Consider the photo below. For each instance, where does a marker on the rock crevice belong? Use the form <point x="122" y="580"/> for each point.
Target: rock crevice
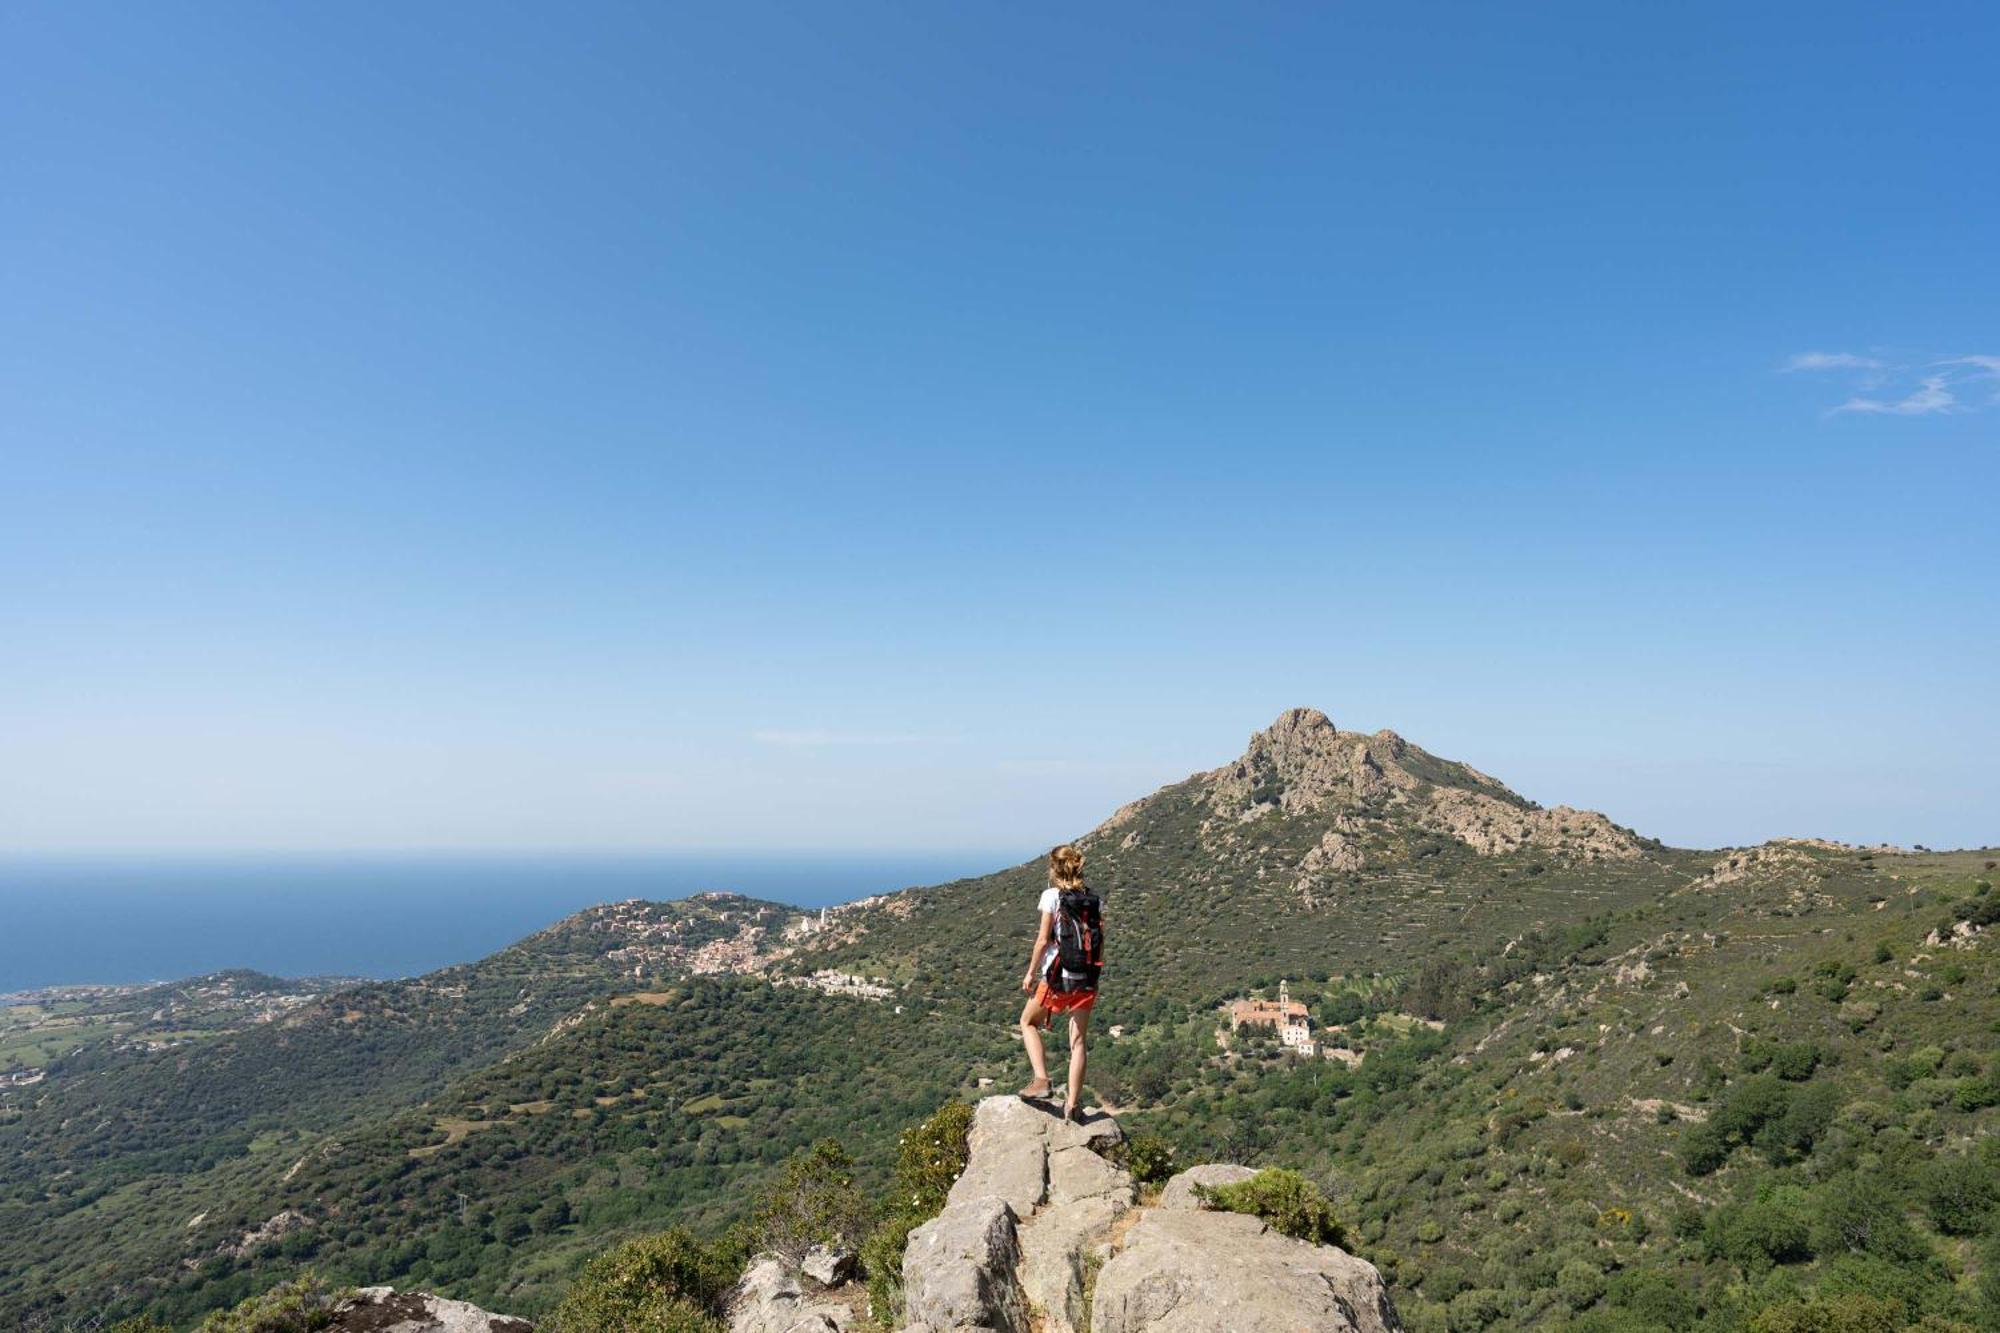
<point x="1036" y="1210"/>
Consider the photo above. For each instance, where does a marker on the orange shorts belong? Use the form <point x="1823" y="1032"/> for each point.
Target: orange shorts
<point x="1064" y="1002"/>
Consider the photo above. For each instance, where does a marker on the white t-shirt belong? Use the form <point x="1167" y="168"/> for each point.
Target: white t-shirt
<point x="1051" y="899"/>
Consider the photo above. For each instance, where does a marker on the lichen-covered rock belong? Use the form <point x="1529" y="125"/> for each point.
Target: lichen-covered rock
<point x="1180" y="1194"/>
<point x="1054" y="1246"/>
<point x="828" y="1266"/>
<point x="769" y="1300"/>
<point x="1006" y="1155"/>
<point x="959" y="1270"/>
<point x="1183" y="1271"/>
<point x="386" y="1310"/>
<point x="1079" y="1173"/>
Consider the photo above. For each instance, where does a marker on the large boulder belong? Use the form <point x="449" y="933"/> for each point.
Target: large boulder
<point x="959" y="1270"/>
<point x="1079" y="1173"/>
<point x="1186" y="1271"/>
<point x="386" y="1310"/>
<point x="1180" y="1191"/>
<point x="769" y="1300"/>
<point x="829" y="1265"/>
<point x="1054" y="1250"/>
<point x="1006" y="1155"/>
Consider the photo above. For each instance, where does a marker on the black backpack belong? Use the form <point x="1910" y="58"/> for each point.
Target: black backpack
<point x="1079" y="931"/>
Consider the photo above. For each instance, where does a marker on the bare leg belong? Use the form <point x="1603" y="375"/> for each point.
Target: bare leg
<point x="1079" y="1031"/>
<point x="1031" y="1037"/>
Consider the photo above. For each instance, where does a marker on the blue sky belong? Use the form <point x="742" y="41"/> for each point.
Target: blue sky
<point x="868" y="426"/>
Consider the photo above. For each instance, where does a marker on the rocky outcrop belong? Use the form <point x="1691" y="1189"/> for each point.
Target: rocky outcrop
<point x="1180" y="1191"/>
<point x="1040" y="1201"/>
<point x="828" y="1266"/>
<point x="1491" y="826"/>
<point x="958" y="1270"/>
<point x="769" y="1299"/>
<point x="1036" y="1192"/>
<point x="1303" y="765"/>
<point x="1185" y="1271"/>
<point x="386" y="1310"/>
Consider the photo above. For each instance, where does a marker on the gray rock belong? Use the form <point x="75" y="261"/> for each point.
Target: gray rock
<point x="1007" y="1155"/>
<point x="829" y="1266"/>
<point x="1079" y="1173"/>
<point x="768" y="1300"/>
<point x="386" y="1310"/>
<point x="1053" y="1246"/>
<point x="1095" y="1128"/>
<point x="958" y="1270"/>
<point x="1187" y="1271"/>
<point x="1179" y="1192"/>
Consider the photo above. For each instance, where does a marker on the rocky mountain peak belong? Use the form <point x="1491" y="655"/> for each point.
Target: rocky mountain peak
<point x="1302" y="761"/>
<point x="1303" y="765"/>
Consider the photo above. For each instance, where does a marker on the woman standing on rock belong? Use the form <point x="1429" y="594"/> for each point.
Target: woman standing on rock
<point x="1062" y="973"/>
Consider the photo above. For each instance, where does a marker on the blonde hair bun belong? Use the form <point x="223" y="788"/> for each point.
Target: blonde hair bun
<point x="1065" y="868"/>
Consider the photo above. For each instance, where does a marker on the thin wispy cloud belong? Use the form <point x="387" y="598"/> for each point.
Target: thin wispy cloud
<point x="1830" y="361"/>
<point x="813" y="738"/>
<point x="1932" y="395"/>
<point x="1919" y="386"/>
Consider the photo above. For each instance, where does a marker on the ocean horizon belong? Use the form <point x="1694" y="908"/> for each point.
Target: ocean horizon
<point x="104" y="919"/>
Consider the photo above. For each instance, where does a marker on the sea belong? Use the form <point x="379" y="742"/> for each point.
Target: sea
<point x="104" y="919"/>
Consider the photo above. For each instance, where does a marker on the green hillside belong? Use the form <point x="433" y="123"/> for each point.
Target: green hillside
<point x="1601" y="1083"/>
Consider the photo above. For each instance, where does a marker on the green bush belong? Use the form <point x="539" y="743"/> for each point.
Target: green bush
<point x="1149" y="1157"/>
<point x="1653" y="1299"/>
<point x="1766" y="1231"/>
<point x="1958" y="1194"/>
<point x="143" y="1323"/>
<point x="1703" y="1148"/>
<point x="1287" y="1200"/>
<point x="1795" y="1061"/>
<point x="1853" y="1313"/>
<point x="664" y="1283"/>
<point x="815" y="1202"/>
<point x="1860" y="1215"/>
<point x="302" y="1306"/>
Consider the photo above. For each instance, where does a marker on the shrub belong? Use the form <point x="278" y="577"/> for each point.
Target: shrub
<point x="1473" y="1310"/>
<point x="1805" y="1120"/>
<point x="1853" y="1313"/>
<point x="1958" y="1194"/>
<point x="1580" y="1283"/>
<point x="665" y="1283"/>
<point x="1292" y="1204"/>
<point x="1976" y="1094"/>
<point x="1859" y="1215"/>
<point x="1653" y="1300"/>
<point x="302" y="1306"/>
<point x="1796" y="1060"/>
<point x="1759" y="1234"/>
<point x="1149" y="1158"/>
<point x="814" y="1203"/>
<point x="1703" y="1148"/>
<point x="143" y="1323"/>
